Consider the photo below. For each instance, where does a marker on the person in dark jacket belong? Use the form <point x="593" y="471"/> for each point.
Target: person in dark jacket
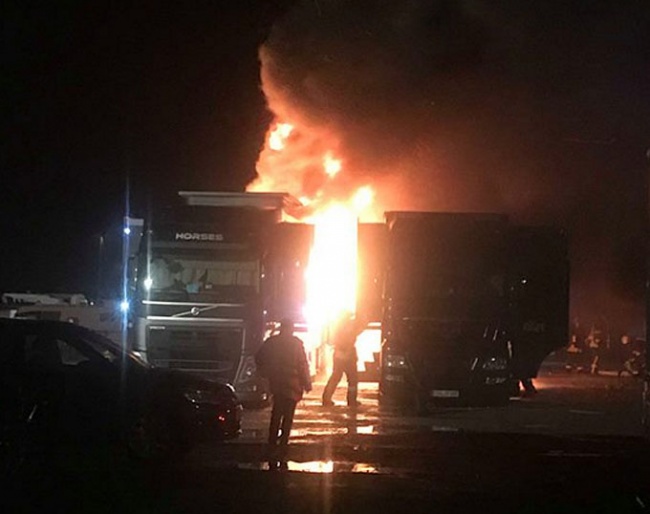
<point x="596" y="346"/>
<point x="345" y="361"/>
<point x="282" y="360"/>
<point x="575" y="350"/>
<point x="630" y="355"/>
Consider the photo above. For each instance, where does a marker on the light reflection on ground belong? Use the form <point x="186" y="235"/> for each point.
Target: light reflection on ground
<point x="332" y="429"/>
<point x="362" y="467"/>
<point x="304" y="432"/>
<point x="314" y="466"/>
<point x="566" y="404"/>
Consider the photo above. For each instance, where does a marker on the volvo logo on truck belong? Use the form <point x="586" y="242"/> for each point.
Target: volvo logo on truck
<point x="198" y="236"/>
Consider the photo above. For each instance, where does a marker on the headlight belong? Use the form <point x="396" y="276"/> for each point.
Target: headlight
<point x="495" y="364"/>
<point x="395" y="361"/>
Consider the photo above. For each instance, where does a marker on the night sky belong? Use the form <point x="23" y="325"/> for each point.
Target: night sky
<point x="539" y="109"/>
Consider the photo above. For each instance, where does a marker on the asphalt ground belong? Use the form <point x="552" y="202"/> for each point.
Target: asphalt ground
<point x="566" y="404"/>
<point x="573" y="447"/>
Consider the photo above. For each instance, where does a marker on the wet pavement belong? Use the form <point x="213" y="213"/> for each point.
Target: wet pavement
<point x="566" y="403"/>
<point x="572" y="447"/>
<point x="372" y="440"/>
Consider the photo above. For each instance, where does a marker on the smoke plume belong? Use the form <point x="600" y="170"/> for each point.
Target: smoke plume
<point x="466" y="105"/>
<point x="369" y="82"/>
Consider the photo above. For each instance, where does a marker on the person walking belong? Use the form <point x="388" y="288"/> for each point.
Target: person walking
<point x="345" y="362"/>
<point x="630" y="355"/>
<point x="282" y="360"/>
<point x="574" y="352"/>
<point x="595" y="345"/>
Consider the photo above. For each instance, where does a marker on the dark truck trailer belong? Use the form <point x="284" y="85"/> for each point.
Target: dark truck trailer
<point x="466" y="306"/>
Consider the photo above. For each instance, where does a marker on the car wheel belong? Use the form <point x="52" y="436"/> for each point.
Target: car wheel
<point x="419" y="405"/>
<point x="150" y="438"/>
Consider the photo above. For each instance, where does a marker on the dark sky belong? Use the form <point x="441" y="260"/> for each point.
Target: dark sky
<point x="541" y="109"/>
<point x="94" y="92"/>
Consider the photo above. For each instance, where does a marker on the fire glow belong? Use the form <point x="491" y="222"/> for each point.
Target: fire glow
<point x="309" y="169"/>
<point x="332" y="271"/>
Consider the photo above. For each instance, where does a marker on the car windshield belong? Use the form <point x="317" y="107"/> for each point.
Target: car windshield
<point x="457" y="277"/>
<point x="110" y="351"/>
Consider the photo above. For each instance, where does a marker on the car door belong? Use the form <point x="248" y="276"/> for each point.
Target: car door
<point x="42" y="385"/>
<point x="91" y="385"/>
<point x="12" y="381"/>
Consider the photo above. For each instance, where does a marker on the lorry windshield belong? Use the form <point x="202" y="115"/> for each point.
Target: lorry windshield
<point x="452" y="280"/>
<point x="210" y="273"/>
<point x="450" y="295"/>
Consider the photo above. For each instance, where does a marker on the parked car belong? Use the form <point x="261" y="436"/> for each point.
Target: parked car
<point x="64" y="384"/>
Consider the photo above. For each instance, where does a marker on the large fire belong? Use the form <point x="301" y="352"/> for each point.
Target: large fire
<point x="332" y="270"/>
<point x="301" y="164"/>
<point x="313" y="173"/>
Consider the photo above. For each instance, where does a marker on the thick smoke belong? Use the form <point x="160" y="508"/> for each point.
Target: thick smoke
<point x="470" y="105"/>
<point x="371" y="79"/>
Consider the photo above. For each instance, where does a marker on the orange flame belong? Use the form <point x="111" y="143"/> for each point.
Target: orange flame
<point x="332" y="270"/>
<point x="363" y="198"/>
<point x="296" y="161"/>
<point x="331" y="165"/>
<point x="279" y="135"/>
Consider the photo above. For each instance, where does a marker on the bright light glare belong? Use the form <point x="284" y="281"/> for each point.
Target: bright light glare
<point x="127" y="231"/>
<point x="279" y="135"/>
<point x="316" y="466"/>
<point x="368" y="346"/>
<point x="124" y="306"/>
<point x="332" y="270"/>
<point x="148" y="283"/>
<point x="331" y="165"/>
<point x="363" y="198"/>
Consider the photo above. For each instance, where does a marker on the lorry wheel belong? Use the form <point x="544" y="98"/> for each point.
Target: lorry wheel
<point x="389" y="404"/>
<point x="513" y="388"/>
<point x="403" y="404"/>
<point x="419" y="405"/>
<point x="495" y="396"/>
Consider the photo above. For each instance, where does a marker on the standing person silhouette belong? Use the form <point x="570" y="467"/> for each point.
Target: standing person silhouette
<point x="282" y="360"/>
<point x="345" y="361"/>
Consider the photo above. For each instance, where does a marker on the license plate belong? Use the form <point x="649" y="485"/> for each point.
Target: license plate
<point x="445" y="393"/>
